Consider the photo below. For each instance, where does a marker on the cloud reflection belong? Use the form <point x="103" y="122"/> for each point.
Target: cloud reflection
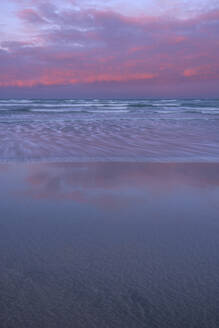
<point x="115" y="185"/>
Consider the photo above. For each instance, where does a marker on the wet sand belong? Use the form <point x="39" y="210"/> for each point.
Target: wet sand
<point x="109" y="245"/>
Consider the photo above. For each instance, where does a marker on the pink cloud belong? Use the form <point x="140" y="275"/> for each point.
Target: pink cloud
<point x="31" y="16"/>
<point x="189" y="72"/>
<point x="90" y="46"/>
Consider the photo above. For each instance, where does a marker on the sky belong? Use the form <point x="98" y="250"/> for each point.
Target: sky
<point x="114" y="48"/>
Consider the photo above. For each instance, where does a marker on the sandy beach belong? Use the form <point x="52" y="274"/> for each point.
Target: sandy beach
<point x="109" y="245"/>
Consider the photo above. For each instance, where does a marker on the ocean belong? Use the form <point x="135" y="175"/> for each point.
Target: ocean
<point x="109" y="213"/>
<point x="161" y="130"/>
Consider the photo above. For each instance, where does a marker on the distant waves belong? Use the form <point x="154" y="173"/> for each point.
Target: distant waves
<point x="159" y="130"/>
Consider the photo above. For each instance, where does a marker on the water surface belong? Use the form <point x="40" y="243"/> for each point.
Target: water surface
<point x="109" y="245"/>
<point x="149" y="130"/>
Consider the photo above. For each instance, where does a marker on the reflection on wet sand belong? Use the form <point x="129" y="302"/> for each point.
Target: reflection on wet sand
<point x="109" y="245"/>
<point x="116" y="184"/>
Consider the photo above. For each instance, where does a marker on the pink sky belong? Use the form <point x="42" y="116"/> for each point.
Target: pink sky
<point x="74" y="49"/>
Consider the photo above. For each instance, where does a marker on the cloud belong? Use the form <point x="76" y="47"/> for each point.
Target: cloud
<point x="31" y="16"/>
<point x="71" y="46"/>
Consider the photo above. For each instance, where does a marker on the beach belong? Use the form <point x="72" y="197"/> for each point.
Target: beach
<point x="109" y="213"/>
<point x="103" y="244"/>
<point x="109" y="164"/>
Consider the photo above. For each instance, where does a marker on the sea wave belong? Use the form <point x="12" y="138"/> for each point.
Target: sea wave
<point x="109" y="130"/>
